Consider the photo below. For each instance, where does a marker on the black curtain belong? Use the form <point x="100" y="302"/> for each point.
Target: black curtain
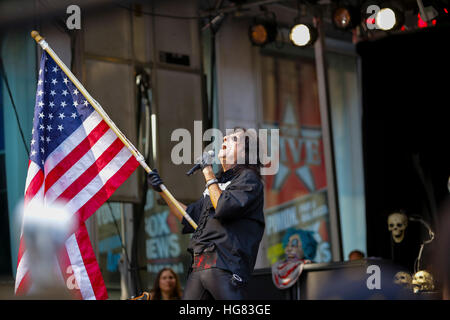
<point x="406" y="131"/>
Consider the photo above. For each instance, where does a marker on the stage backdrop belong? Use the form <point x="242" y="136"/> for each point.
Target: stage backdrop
<point x="405" y="130"/>
<point x="163" y="243"/>
<point x="296" y="197"/>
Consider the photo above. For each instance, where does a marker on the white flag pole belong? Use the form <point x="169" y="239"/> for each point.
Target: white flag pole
<point x="41" y="41"/>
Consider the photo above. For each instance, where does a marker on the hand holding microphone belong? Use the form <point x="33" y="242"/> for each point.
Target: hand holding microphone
<point x="205" y="160"/>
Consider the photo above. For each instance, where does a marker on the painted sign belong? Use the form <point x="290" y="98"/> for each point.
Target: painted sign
<point x="295" y="197"/>
<point x="165" y="245"/>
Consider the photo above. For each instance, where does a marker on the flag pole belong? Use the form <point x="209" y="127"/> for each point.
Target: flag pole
<point x="41" y="41"/>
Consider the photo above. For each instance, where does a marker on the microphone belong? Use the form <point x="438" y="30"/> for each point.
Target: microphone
<point x="210" y="153"/>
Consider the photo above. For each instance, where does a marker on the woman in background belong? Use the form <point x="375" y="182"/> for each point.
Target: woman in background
<point x="166" y="286"/>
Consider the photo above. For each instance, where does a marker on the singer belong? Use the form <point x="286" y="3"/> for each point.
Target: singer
<point x="230" y="222"/>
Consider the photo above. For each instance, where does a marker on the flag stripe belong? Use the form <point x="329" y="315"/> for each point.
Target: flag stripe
<point x="72" y="141"/>
<point x="21" y="249"/>
<point x="38" y="198"/>
<point x="71" y="277"/>
<point x="97" y="183"/>
<point x="77" y="169"/>
<point x="90" y="263"/>
<point x="24" y="285"/>
<point x="108" y="188"/>
<point x="34" y="187"/>
<point x="75" y="154"/>
<point x="92" y="171"/>
<point x="79" y="269"/>
<point x="22" y="269"/>
<point x="33" y="169"/>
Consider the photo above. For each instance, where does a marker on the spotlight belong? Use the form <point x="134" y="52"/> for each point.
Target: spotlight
<point x="303" y="35"/>
<point x="389" y="19"/>
<point x="346" y="17"/>
<point x="262" y="32"/>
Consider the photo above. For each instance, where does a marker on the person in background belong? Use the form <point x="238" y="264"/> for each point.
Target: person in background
<point x="355" y="255"/>
<point x="166" y="286"/>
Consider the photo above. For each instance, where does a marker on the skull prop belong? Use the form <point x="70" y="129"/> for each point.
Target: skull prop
<point x="403" y="279"/>
<point x="423" y="281"/>
<point x="397" y="223"/>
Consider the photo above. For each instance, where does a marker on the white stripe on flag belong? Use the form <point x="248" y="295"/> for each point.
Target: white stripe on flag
<point x="79" y="269"/>
<point x="33" y="168"/>
<point x="99" y="181"/>
<point x="37" y="199"/>
<point x="80" y="167"/>
<point x="72" y="141"/>
<point x="22" y="269"/>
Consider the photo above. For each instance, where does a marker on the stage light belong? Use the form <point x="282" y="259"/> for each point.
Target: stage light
<point x="262" y="32"/>
<point x="385" y="19"/>
<point x="303" y="35"/>
<point x="389" y="19"/>
<point x="346" y="17"/>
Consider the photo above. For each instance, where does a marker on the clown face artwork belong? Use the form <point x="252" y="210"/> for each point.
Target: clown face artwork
<point x="296" y="242"/>
<point x="294" y="248"/>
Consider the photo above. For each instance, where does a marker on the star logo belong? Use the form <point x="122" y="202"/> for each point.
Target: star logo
<point x="300" y="155"/>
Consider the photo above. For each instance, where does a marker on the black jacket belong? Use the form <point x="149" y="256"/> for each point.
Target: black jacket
<point x="235" y="228"/>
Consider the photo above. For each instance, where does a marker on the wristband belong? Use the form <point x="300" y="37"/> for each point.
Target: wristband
<point x="210" y="182"/>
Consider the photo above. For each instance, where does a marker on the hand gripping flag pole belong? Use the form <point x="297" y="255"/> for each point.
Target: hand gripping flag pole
<point x="41" y="41"/>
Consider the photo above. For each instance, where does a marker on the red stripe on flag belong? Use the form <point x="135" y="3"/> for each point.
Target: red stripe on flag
<point x="35" y="185"/>
<point x="69" y="277"/>
<point x="22" y="249"/>
<point x="90" y="263"/>
<point x="75" y="155"/>
<point x="24" y="285"/>
<point x="92" y="171"/>
<point x="108" y="189"/>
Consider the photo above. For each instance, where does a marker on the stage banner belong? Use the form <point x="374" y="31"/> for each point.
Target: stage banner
<point x="165" y="245"/>
<point x="295" y="197"/>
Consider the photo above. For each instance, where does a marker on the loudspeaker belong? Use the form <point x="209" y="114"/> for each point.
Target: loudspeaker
<point x="170" y="49"/>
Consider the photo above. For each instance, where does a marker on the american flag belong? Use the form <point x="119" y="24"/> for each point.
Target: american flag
<point x="74" y="157"/>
